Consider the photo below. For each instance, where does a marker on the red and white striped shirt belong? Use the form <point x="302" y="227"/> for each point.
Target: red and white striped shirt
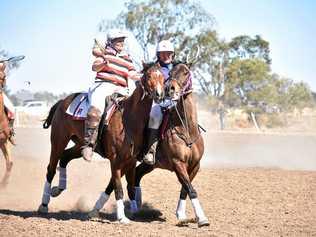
<point x="117" y="69"/>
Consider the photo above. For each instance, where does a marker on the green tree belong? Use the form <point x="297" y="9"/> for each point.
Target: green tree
<point x="248" y="81"/>
<point x="154" y="20"/>
<point x="244" y="46"/>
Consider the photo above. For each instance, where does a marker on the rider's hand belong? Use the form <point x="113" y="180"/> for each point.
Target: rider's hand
<point x="135" y="76"/>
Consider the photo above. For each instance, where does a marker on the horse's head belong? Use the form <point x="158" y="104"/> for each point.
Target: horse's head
<point x="153" y="81"/>
<point x="180" y="81"/>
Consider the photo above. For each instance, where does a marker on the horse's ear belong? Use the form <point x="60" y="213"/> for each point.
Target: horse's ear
<point x="190" y="65"/>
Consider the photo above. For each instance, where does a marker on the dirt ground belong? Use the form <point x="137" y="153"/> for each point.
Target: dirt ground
<point x="249" y="185"/>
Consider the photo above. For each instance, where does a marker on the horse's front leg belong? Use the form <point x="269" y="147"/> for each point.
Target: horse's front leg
<point x="141" y="170"/>
<point x="181" y="207"/>
<point x="120" y="214"/>
<point x="184" y="179"/>
<point x="6" y="150"/>
<point x="130" y="179"/>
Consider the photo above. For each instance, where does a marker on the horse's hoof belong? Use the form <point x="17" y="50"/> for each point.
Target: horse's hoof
<point x="181" y="216"/>
<point x="42" y="209"/>
<point x="183" y="222"/>
<point x="94" y="214"/>
<point x="124" y="221"/>
<point x="56" y="191"/>
<point x="203" y="223"/>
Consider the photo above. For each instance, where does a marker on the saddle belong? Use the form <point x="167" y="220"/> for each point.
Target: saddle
<point x="78" y="108"/>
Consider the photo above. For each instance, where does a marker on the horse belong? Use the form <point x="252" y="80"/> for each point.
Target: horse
<point x="5" y="143"/>
<point x="120" y="142"/>
<point x="182" y="147"/>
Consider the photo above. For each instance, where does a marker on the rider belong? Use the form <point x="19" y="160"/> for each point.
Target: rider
<point x="165" y="56"/>
<point x="8" y="106"/>
<point x="113" y="67"/>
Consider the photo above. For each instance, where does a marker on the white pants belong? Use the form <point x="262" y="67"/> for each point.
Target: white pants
<point x="99" y="90"/>
<point x="156" y="116"/>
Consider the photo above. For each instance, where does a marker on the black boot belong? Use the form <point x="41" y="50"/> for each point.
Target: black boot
<point x="91" y="132"/>
<point x="151" y="146"/>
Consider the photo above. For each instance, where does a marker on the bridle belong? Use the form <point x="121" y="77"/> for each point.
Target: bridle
<point x="186" y="88"/>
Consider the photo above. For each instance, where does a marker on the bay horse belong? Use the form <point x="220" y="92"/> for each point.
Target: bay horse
<point x="5" y="144"/>
<point x="120" y="142"/>
<point x="182" y="146"/>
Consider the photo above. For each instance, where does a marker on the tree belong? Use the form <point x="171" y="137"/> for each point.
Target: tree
<point x="154" y="20"/>
<point x="244" y="46"/>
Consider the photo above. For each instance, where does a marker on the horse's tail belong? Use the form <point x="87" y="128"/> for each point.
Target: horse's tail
<point x="48" y="120"/>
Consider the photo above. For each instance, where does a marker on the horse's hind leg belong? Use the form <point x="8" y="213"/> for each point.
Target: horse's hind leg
<point x="57" y="148"/>
<point x="6" y="150"/>
<point x="181" y="207"/>
<point x="104" y="197"/>
<point x="66" y="157"/>
<point x="184" y="179"/>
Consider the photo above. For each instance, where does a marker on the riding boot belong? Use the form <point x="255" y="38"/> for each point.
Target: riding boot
<point x="151" y="146"/>
<point x="91" y="132"/>
<point x="12" y="132"/>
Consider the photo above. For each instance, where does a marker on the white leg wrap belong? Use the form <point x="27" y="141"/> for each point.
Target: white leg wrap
<point x="180" y="212"/>
<point x="46" y="193"/>
<point x="133" y="206"/>
<point x="101" y="201"/>
<point x="62" y="178"/>
<point x="120" y="209"/>
<point x="138" y="196"/>
<point x="198" y="210"/>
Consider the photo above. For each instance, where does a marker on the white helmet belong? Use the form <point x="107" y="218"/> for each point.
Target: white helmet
<point x="115" y="34"/>
<point x="165" y="46"/>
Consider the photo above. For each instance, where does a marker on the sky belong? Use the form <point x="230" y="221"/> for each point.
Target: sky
<point x="56" y="36"/>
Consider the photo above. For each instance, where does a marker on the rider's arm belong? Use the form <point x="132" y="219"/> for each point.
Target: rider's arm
<point x="97" y="52"/>
<point x="98" y="64"/>
<point x="135" y="76"/>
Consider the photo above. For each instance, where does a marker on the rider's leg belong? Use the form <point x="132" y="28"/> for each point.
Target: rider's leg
<point x="91" y="132"/>
<point x="152" y="134"/>
<point x="97" y="93"/>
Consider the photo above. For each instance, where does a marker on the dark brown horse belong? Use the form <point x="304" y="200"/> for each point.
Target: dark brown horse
<point x="182" y="147"/>
<point x="120" y="142"/>
<point x="5" y="144"/>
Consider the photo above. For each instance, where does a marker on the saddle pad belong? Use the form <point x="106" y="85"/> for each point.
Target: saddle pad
<point x="79" y="107"/>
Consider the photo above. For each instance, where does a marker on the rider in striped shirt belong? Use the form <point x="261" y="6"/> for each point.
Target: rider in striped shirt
<point x="113" y="67"/>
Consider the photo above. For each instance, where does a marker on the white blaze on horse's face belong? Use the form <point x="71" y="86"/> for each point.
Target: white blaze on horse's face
<point x="157" y="85"/>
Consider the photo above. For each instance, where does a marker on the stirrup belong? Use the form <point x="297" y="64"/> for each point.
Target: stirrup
<point x="149" y="158"/>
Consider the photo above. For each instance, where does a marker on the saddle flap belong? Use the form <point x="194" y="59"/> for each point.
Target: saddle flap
<point x="79" y="107"/>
